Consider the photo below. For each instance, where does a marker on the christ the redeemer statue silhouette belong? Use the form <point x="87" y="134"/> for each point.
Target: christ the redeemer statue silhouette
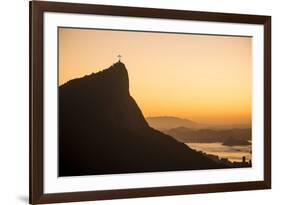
<point x="119" y="57"/>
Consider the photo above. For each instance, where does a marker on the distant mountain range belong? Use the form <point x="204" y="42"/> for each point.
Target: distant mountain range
<point x="103" y="131"/>
<point x="164" y="123"/>
<point x="235" y="136"/>
<point x="169" y="122"/>
<point x="231" y="141"/>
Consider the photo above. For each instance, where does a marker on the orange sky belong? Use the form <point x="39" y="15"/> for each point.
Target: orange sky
<point x="200" y="77"/>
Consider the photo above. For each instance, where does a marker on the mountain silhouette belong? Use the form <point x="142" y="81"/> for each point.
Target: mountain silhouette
<point x="188" y="135"/>
<point x="103" y="131"/>
<point x="231" y="141"/>
<point x="166" y="123"/>
<point x="169" y="122"/>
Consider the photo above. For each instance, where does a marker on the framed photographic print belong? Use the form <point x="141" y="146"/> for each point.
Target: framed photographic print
<point x="138" y="102"/>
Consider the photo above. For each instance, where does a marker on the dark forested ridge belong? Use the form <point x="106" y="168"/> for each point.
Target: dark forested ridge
<point x="103" y="131"/>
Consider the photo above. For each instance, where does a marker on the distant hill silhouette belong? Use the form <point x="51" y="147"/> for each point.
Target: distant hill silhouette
<point x="231" y="141"/>
<point x="103" y="131"/>
<point x="165" y="123"/>
<point x="169" y="122"/>
<point x="185" y="135"/>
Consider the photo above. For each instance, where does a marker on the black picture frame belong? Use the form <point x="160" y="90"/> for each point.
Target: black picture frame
<point x="37" y="8"/>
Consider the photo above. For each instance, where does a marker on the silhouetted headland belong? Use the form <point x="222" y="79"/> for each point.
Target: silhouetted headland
<point x="103" y="131"/>
<point x="231" y="141"/>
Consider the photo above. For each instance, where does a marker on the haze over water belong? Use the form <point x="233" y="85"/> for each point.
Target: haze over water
<point x="232" y="153"/>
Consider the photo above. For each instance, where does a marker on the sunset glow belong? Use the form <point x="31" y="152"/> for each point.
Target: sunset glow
<point x="204" y="78"/>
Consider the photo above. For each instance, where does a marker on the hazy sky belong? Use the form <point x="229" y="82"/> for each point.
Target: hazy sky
<point x="200" y="77"/>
